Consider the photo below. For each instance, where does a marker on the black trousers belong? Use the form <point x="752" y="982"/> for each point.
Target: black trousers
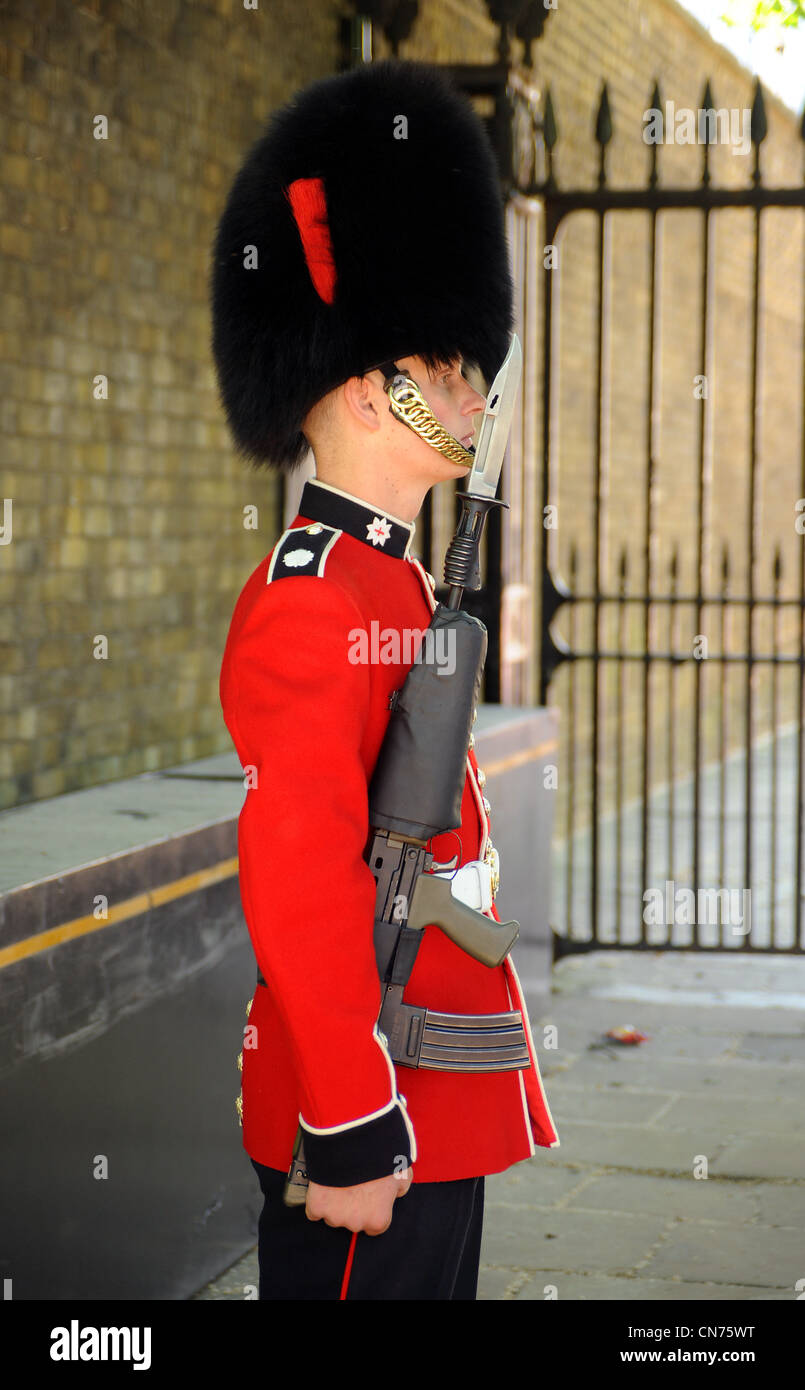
<point x="431" y="1250"/>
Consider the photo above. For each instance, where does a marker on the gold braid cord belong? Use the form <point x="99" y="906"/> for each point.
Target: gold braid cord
<point x="407" y="403"/>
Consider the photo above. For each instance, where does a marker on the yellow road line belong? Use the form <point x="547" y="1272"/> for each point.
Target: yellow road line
<point x="130" y="907"/>
<point x="191" y="883"/>
<point x="517" y="759"/>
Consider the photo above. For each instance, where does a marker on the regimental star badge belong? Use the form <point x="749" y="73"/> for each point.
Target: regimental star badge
<point x="378" y="530"/>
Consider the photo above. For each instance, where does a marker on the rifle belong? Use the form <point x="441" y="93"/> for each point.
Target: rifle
<point x="416" y="792"/>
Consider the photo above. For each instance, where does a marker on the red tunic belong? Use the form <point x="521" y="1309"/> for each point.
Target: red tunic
<point x="307" y="719"/>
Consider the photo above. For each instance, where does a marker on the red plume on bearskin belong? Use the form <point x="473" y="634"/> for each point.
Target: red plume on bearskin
<point x="309" y="204"/>
<point x="365" y="223"/>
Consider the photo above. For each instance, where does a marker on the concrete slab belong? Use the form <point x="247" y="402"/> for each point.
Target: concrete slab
<point x="703" y="1199"/>
<point x="777" y="1047"/>
<point x="499" y="1284"/>
<point x="683" y="1075"/>
<point x="639" y="1147"/>
<point x="633" y="1289"/>
<point x="608" y="1105"/>
<point x="694" y="1010"/>
<point x="568" y="1240"/>
<point x="681" y="970"/>
<point x="770" y="1155"/>
<point x="757" y="1255"/>
<point x="669" y="1042"/>
<point x="782" y="1204"/>
<point x="736" y="1114"/>
<point x="532" y="1184"/>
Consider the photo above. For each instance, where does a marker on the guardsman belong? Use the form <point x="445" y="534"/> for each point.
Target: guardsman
<point x="364" y="234"/>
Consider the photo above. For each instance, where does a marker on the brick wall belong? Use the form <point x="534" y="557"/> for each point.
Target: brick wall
<point x="128" y="510"/>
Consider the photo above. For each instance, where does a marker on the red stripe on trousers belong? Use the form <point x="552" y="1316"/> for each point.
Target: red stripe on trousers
<point x="348" y="1267"/>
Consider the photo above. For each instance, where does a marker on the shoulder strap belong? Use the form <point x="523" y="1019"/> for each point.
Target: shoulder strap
<point x="302" y="550"/>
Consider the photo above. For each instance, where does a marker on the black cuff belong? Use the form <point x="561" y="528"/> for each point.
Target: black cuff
<point x="361" y="1153"/>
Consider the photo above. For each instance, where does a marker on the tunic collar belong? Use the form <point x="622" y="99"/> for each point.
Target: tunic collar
<point x="372" y="525"/>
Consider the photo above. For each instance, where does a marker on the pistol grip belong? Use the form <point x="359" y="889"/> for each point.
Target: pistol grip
<point x="481" y="937"/>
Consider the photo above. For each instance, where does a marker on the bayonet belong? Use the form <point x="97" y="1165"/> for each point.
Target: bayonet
<point x="462" y="568"/>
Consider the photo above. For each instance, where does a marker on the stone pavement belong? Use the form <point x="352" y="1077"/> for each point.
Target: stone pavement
<point x="617" y="1211"/>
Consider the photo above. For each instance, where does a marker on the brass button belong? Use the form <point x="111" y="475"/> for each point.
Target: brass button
<point x="481" y="777"/>
<point x="492" y="858"/>
<point x="487" y="807"/>
<point x="313" y="530"/>
<point x="474" y="715"/>
<point x="472" y="741"/>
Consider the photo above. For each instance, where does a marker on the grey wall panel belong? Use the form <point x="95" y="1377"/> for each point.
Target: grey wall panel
<point x="513" y="746"/>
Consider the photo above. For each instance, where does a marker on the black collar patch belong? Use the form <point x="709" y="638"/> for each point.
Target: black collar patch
<point x="321" y="502"/>
<point x="302" y="550"/>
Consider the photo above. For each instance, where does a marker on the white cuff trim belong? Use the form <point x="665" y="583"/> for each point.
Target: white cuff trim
<point x="396" y="1101"/>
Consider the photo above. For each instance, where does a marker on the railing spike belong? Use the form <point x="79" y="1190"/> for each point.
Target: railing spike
<point x="603" y="120"/>
<point x="656" y="105"/>
<point x="707" y="104"/>
<point x="758" y="124"/>
<point x="549" y="131"/>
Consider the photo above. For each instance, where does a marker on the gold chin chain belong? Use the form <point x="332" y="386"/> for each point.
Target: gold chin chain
<point x="407" y="403"/>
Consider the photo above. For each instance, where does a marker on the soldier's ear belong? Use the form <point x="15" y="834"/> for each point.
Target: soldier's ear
<point x="361" y="401"/>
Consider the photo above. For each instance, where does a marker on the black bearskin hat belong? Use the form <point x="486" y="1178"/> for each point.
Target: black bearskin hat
<point x="365" y="224"/>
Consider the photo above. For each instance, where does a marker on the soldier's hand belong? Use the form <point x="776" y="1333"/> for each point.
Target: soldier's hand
<point x="367" y="1207"/>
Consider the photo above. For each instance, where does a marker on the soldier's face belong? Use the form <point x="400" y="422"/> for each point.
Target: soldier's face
<point x="455" y="404"/>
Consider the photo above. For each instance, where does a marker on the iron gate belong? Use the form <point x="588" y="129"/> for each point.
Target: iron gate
<point x="675" y="650"/>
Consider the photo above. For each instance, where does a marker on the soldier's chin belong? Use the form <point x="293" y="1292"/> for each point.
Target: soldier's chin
<point x="468" y="448"/>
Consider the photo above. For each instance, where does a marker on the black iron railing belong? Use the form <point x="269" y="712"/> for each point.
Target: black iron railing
<point x="706" y="704"/>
